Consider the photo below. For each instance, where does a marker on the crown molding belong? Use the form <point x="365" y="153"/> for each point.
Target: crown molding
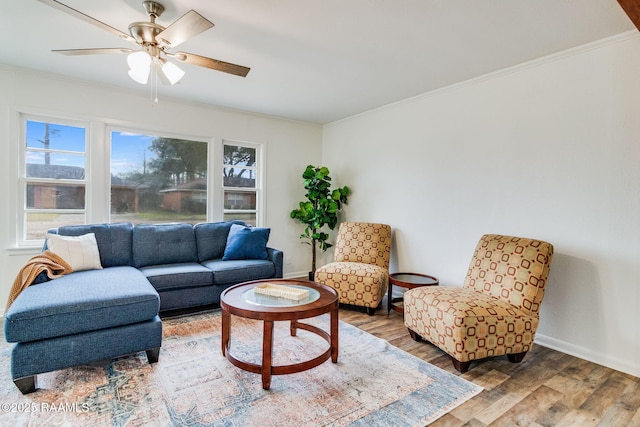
<point x="598" y="44"/>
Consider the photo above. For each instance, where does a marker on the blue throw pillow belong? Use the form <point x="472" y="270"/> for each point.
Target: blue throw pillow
<point x="245" y="242"/>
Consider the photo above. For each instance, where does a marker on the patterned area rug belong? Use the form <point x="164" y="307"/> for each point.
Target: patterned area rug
<point x="373" y="383"/>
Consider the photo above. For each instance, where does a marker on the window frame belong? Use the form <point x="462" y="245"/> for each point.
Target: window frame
<point x="97" y="178"/>
<point x="110" y="128"/>
<point x="259" y="173"/>
<point x="23" y="180"/>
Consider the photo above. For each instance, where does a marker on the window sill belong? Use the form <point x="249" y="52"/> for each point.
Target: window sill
<point x="24" y="250"/>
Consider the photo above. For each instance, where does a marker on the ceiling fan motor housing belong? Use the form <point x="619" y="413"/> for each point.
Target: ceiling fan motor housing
<point x="145" y="32"/>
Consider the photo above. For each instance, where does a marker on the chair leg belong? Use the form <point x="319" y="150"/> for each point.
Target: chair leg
<point x="153" y="354"/>
<point x="372" y="310"/>
<point x="516" y="357"/>
<point x="26" y="384"/>
<point x="414" y="336"/>
<point x="461" y="367"/>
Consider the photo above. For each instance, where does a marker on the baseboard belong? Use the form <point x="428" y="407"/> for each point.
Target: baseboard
<point x="607" y="360"/>
<point x="296" y="275"/>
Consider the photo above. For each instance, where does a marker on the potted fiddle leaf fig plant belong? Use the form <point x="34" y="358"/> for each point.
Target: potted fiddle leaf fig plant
<point x="319" y="210"/>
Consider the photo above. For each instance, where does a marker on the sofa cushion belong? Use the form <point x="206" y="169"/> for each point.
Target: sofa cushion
<point x="225" y="272"/>
<point x="80" y="302"/>
<point x="176" y="276"/>
<point x="211" y="238"/>
<point x="177" y="299"/>
<point x="156" y="244"/>
<point x="114" y="241"/>
<point x="245" y="242"/>
<point x="80" y="252"/>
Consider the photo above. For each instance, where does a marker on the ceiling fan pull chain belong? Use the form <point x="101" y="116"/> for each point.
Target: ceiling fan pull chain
<point x="154" y="83"/>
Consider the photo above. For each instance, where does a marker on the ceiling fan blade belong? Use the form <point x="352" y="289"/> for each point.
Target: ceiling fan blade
<point x="100" y="50"/>
<point x="183" y="28"/>
<point x="214" y="64"/>
<point x="86" y="18"/>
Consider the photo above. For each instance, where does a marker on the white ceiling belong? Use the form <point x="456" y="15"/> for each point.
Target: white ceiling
<point x="311" y="60"/>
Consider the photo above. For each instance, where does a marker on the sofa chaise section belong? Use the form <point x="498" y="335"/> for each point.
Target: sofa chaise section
<point x="82" y="318"/>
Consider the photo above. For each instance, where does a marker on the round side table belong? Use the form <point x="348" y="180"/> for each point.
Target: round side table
<point x="408" y="281"/>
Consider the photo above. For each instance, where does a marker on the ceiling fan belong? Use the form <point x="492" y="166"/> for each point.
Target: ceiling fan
<point x="155" y="42"/>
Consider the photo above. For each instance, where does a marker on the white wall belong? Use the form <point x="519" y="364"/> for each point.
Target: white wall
<point x="549" y="150"/>
<point x="290" y="146"/>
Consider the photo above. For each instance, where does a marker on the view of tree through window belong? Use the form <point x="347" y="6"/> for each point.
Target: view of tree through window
<point x="157" y="179"/>
<point x="239" y="182"/>
<point x="63" y="177"/>
<point x="53" y="177"/>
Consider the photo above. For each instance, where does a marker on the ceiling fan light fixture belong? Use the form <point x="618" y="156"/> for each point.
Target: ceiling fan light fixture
<point x="140" y="66"/>
<point x="172" y="72"/>
<point x="140" y="75"/>
<point x="139" y="60"/>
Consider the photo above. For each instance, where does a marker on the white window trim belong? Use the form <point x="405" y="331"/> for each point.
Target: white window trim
<point x="98" y="169"/>
<point x="260" y="174"/>
<point x="21" y="176"/>
<point x="109" y="128"/>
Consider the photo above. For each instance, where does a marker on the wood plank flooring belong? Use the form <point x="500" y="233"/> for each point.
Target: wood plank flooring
<point x="548" y="388"/>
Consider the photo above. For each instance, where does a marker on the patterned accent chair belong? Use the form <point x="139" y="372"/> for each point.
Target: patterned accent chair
<point x="360" y="269"/>
<point x="495" y="313"/>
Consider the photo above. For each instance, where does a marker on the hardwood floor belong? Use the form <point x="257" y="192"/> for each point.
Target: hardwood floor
<point x="548" y="388"/>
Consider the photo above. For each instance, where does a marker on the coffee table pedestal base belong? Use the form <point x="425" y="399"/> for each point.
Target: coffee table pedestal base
<point x="267" y="369"/>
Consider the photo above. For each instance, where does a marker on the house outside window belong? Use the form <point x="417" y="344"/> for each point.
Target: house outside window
<point x="72" y="172"/>
<point x="157" y="179"/>
<point x="52" y="174"/>
<point x="240" y="181"/>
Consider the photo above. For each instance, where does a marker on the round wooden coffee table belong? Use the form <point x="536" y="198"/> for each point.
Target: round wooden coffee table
<point x="242" y="300"/>
<point x="408" y="281"/>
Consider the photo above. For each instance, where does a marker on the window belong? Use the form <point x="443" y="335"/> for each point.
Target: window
<point x="240" y="183"/>
<point x="53" y="186"/>
<point x="73" y="172"/>
<point x="157" y="179"/>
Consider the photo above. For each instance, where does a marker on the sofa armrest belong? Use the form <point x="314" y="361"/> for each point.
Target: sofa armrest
<point x="276" y="256"/>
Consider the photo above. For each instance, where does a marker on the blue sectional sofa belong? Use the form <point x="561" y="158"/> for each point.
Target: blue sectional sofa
<point x="97" y="314"/>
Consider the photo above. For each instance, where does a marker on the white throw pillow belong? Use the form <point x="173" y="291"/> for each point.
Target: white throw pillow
<point x="80" y="252"/>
